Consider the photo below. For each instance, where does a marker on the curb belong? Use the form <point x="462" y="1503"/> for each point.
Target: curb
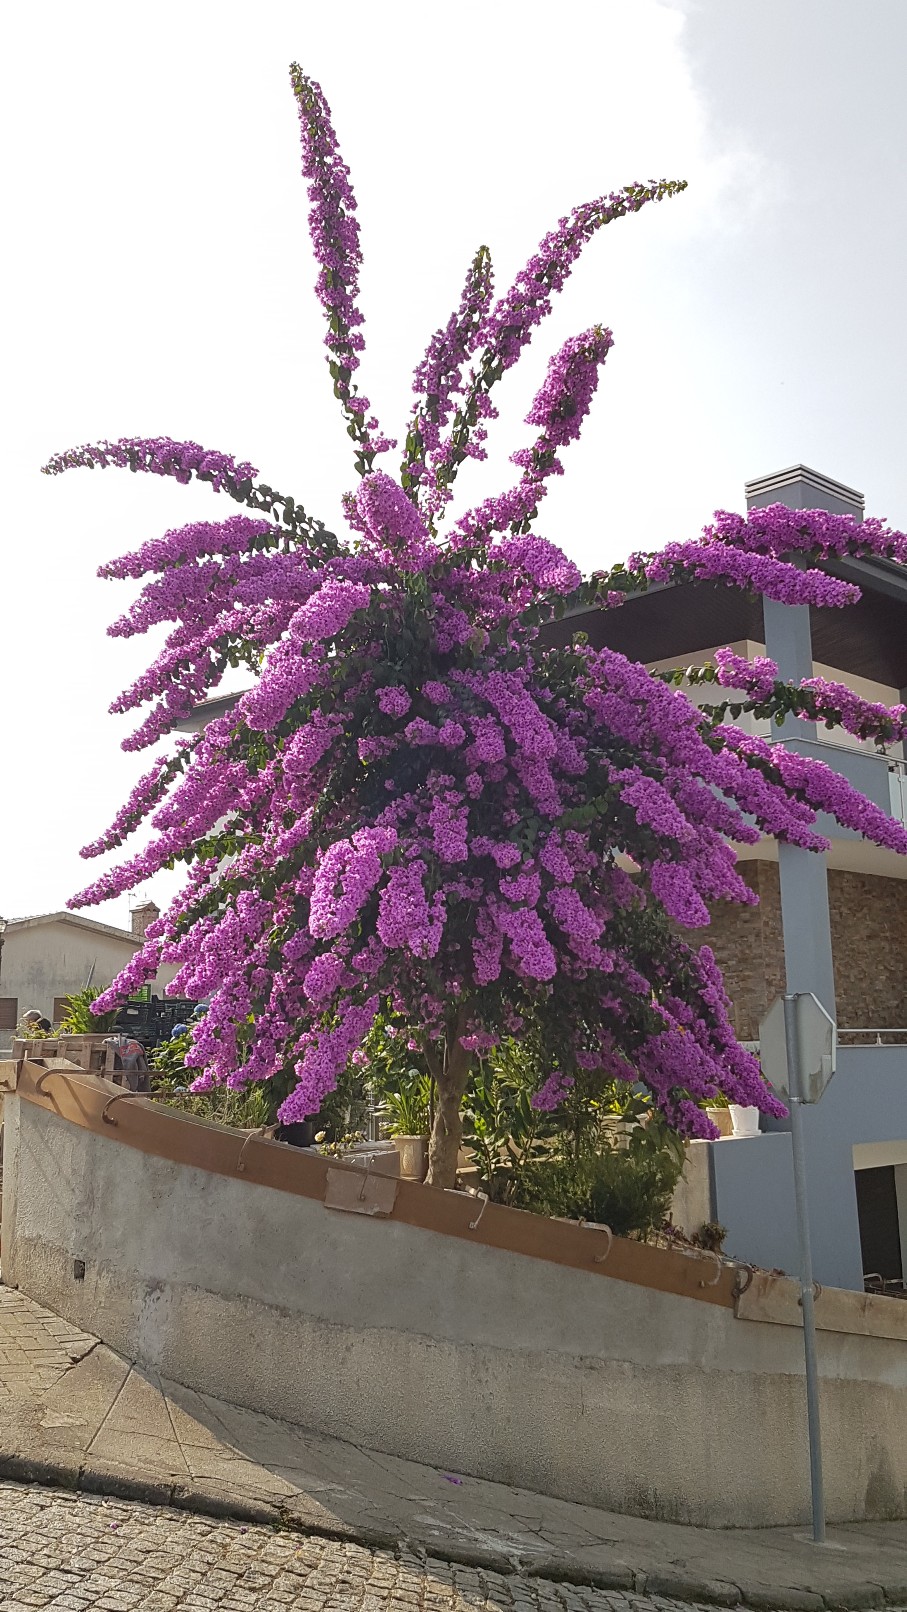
<point x="669" y="1584"/>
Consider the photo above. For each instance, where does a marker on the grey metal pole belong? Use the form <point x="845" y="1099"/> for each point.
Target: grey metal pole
<point x="817" y="1489"/>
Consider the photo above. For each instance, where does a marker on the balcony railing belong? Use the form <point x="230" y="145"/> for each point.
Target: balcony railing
<point x="848" y="1036"/>
<point x="872" y="1036"/>
<point x="883" y="778"/>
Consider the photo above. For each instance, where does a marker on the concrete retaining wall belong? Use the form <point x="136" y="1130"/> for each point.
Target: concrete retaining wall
<point x="469" y="1356"/>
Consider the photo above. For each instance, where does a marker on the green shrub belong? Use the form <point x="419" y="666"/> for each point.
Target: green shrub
<point x="627" y="1189"/>
<point x="79" y="1019"/>
<point x="168" y="1062"/>
<point x="246" y="1110"/>
<point x="397" y="1075"/>
<point x="500" y="1127"/>
<point x="604" y="1154"/>
<point x="243" y="1110"/>
<point x="408" y="1103"/>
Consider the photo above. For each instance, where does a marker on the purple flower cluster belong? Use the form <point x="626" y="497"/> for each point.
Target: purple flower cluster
<point x="570" y="385"/>
<point x="550" y="1095"/>
<point x="814" y="699"/>
<point x="394" y="701"/>
<point x="386" y="513"/>
<point x="511" y="322"/>
<point x="508" y="326"/>
<point x="757" y="677"/>
<point x="752" y="551"/>
<point x="150" y="789"/>
<point x="406" y="918"/>
<point x="159" y="456"/>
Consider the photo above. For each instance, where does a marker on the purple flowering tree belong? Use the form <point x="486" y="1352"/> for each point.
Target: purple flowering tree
<point x="419" y="808"/>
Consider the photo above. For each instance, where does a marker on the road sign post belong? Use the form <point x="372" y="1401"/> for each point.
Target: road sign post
<point x="807" y="1296"/>
<point x="798" y="1048"/>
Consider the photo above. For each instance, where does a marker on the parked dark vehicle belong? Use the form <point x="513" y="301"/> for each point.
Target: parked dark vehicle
<point x="153" y="1022"/>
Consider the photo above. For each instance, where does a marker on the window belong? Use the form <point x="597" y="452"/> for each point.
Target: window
<point x="61" y="1008"/>
<point x="9" y="1012"/>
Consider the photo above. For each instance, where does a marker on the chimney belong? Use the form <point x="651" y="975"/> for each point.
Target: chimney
<point x="801" y="488"/>
<point x="143" y="916"/>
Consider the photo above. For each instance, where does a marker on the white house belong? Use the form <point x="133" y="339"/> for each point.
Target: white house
<point x="44" y="959"/>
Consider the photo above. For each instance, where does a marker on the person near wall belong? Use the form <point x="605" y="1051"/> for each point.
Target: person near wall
<point x="34" y="1022"/>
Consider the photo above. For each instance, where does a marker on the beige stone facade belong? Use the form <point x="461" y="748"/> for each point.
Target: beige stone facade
<point x="869" y="944"/>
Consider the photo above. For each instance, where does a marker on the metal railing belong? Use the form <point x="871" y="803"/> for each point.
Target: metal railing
<point x="873" y="1035"/>
<point x="881" y="1035"/>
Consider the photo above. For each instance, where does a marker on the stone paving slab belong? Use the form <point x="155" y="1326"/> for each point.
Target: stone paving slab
<point x="36" y="1346"/>
<point x="102" y="1424"/>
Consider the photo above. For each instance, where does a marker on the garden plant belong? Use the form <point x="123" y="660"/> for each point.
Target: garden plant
<point x="421" y="808"/>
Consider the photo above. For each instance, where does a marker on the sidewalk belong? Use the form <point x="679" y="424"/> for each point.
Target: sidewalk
<point x="75" y="1414"/>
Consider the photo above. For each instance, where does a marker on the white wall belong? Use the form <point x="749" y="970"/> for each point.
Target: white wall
<point x="426" y="1346"/>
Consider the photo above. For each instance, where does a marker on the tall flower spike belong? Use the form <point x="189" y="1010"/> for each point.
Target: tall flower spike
<point x="509" y="325"/>
<point x="335" y="237"/>
<point x="438" y="379"/>
<point x="560" y="408"/>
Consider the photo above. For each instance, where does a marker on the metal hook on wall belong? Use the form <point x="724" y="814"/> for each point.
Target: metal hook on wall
<point x="259" y="1131"/>
<point x="66" y="1073"/>
<point x="474" y="1223"/>
<point x="714" y="1280"/>
<point x="118" y="1097"/>
<point x="599" y="1259"/>
<point x="743" y="1280"/>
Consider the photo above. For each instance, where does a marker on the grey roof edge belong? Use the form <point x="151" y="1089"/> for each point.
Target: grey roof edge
<point x="216" y="705"/>
<point x="875" y="572"/>
<point x="76" y="918"/>
<point x="813" y="478"/>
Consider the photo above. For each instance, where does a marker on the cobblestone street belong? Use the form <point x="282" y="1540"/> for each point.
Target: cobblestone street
<point x="79" y="1553"/>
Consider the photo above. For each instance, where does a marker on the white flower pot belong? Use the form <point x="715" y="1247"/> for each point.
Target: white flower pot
<point x="744" y="1120"/>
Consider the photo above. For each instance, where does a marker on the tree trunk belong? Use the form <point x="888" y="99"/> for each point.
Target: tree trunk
<point x="451" y="1080"/>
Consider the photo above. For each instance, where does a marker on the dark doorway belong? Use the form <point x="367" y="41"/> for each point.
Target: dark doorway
<point x="877" y="1208"/>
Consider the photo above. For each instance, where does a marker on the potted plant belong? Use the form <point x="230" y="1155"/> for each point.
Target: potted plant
<point x="408" y="1109"/>
<point x="720" y="1112"/>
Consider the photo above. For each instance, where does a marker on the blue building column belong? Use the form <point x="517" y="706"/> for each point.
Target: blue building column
<point x="753" y="1179"/>
<point x="788" y="641"/>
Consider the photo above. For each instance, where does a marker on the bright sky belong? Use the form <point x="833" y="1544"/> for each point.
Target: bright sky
<point x="159" y="283"/>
